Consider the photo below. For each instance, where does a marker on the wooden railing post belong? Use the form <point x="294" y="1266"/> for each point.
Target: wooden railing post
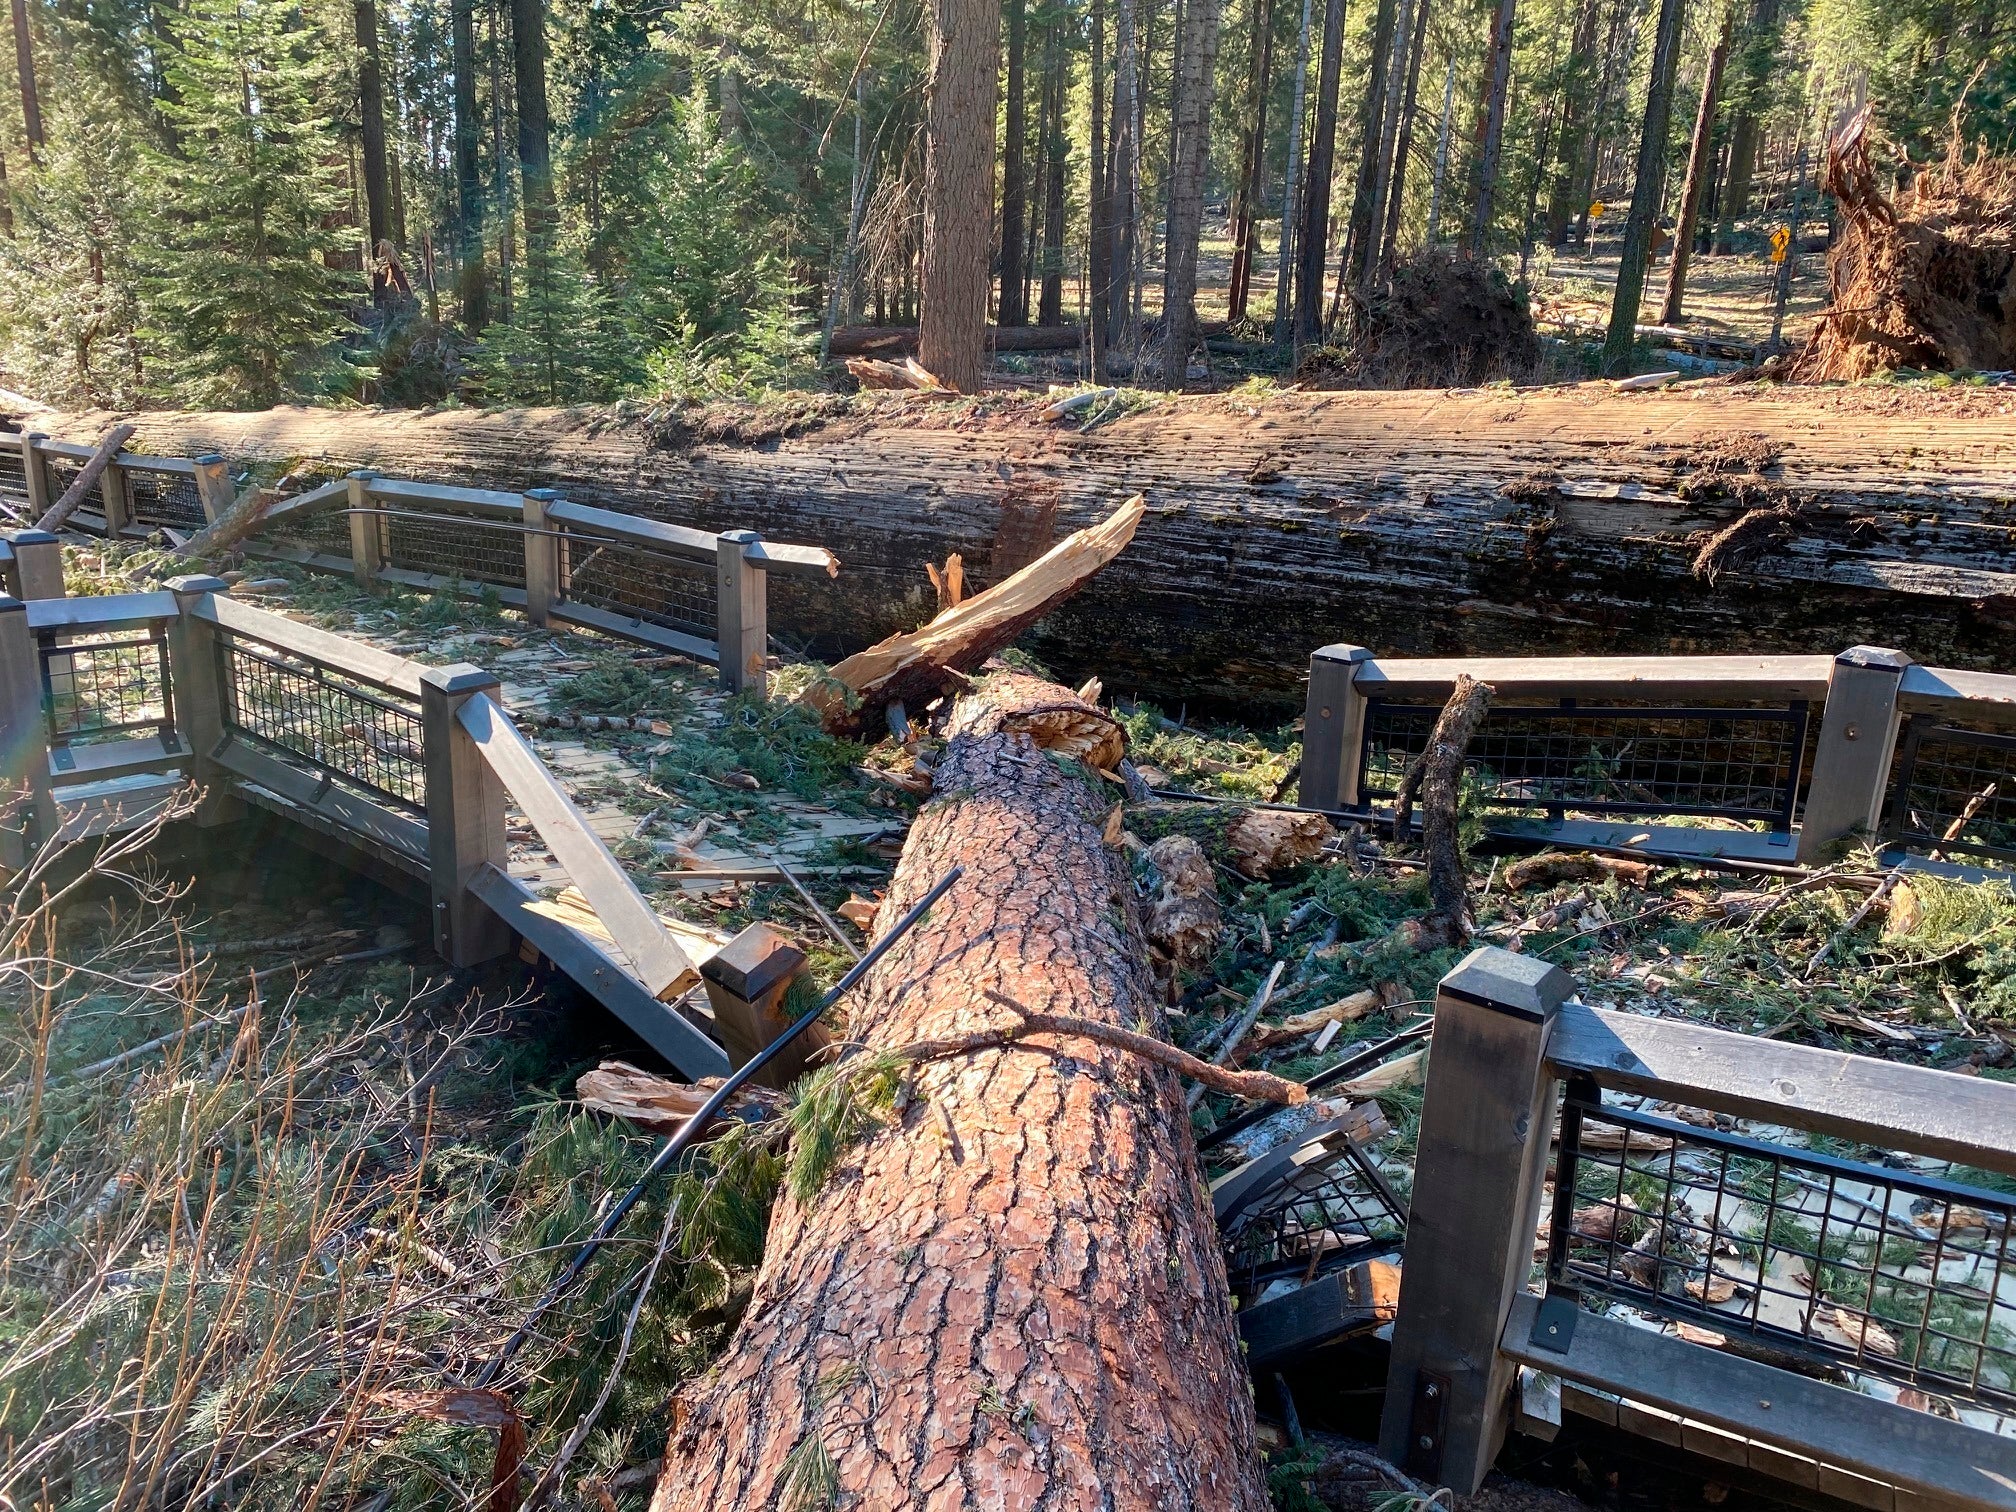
<point x="747" y="981"/>
<point x="200" y="705"/>
<point x="112" y="490"/>
<point x="34" y="476"/>
<point x="1333" y="729"/>
<point x="1485" y="1129"/>
<point x="367" y="540"/>
<point x="742" y="630"/>
<point x="465" y="816"/>
<point x="1851" y="761"/>
<point x="38" y="558"/>
<point x="213" y="486"/>
<point x="542" y="557"/>
<point x="27" y="808"/>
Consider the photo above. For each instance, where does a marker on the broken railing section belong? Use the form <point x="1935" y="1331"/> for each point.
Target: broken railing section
<point x="1797" y="754"/>
<point x="1740" y="1275"/>
<point x="688" y="591"/>
<point x="113" y="706"/>
<point x="136" y="495"/>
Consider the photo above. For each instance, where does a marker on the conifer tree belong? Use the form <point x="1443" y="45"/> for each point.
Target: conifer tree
<point x="243" y="308"/>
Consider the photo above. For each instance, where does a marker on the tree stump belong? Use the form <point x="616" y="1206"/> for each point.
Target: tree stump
<point x="1010" y="1294"/>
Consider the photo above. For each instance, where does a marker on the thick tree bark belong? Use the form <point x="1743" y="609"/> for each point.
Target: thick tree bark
<point x="1313" y="234"/>
<point x="965" y="54"/>
<point x="1191" y="124"/>
<point x="471" y="286"/>
<point x="1013" y="308"/>
<point x="371" y="115"/>
<point x="1549" y="521"/>
<point x="1648" y="188"/>
<point x="1700" y="158"/>
<point x="1011" y="1292"/>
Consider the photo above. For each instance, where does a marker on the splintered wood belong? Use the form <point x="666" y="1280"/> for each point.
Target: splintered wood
<point x="918" y="665"/>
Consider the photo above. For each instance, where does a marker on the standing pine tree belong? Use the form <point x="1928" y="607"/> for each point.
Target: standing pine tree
<point x="242" y="308"/>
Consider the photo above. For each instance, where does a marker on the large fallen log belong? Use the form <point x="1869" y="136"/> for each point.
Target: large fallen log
<point x="1010" y="1293"/>
<point x="1564" y="520"/>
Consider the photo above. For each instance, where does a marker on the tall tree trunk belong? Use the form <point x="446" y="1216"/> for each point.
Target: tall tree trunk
<point x="841" y="300"/>
<point x="1498" y="81"/>
<point x="1616" y="59"/>
<point x="1647" y="192"/>
<point x="1313" y="235"/>
<point x="1252" y="155"/>
<point x="1124" y="174"/>
<point x="1191" y="123"/>
<point x="1736" y="186"/>
<point x="371" y="112"/>
<point x="1291" y="184"/>
<point x="1577" y="104"/>
<point x="1371" y="121"/>
<point x="960" y="81"/>
<point x="1396" y="195"/>
<point x="24" y="67"/>
<point x="1441" y="156"/>
<point x="500" y="163"/>
<point x="1010" y="1293"/>
<point x="472" y="285"/>
<point x="1399" y="101"/>
<point x="1057" y="163"/>
<point x="1700" y="156"/>
<point x="535" y="146"/>
<point x="1099" y="204"/>
<point x="1014" y="308"/>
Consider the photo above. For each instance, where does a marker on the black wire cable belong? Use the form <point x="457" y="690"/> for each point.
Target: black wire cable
<point x="698" y="1124"/>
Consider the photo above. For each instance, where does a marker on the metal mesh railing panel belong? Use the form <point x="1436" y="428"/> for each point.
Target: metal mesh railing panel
<point x="1739" y="764"/>
<point x="154" y="499"/>
<point x="1327" y="1211"/>
<point x="1904" y="1277"/>
<point x="1954" y="789"/>
<point x="471" y="550"/>
<point x="105" y="685"/>
<point x="368" y="737"/>
<point x="62" y="472"/>
<point x="640" y="583"/>
<point x="13" y="476"/>
<point x="326" y="532"/>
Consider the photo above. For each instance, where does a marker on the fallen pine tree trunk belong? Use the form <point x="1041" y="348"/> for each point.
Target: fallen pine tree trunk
<point x="1010" y="1292"/>
<point x="1561" y="520"/>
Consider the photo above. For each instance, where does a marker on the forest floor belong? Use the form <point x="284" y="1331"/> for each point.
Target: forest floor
<point x="401" y="1142"/>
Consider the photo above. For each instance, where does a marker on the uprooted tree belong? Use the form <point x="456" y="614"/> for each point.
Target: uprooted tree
<point x="1925" y="280"/>
<point x="1009" y="1292"/>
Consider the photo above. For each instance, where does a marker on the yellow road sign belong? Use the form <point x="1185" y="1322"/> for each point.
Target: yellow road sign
<point x="1781" y="239"/>
<point x="1596" y="210"/>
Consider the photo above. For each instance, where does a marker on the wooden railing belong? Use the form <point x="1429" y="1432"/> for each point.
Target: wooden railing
<point x="690" y="591"/>
<point x="1793" y="754"/>
<point x="136" y="495"/>
<point x="1749" y="1284"/>
<point x="113" y="707"/>
<point x="694" y="592"/>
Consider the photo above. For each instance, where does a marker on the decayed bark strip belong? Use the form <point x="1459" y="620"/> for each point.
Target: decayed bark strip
<point x="1010" y="1294"/>
<point x="1436" y="777"/>
<point x="87" y="477"/>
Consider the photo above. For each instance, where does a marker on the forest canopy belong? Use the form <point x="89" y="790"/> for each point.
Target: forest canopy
<point x="233" y="203"/>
